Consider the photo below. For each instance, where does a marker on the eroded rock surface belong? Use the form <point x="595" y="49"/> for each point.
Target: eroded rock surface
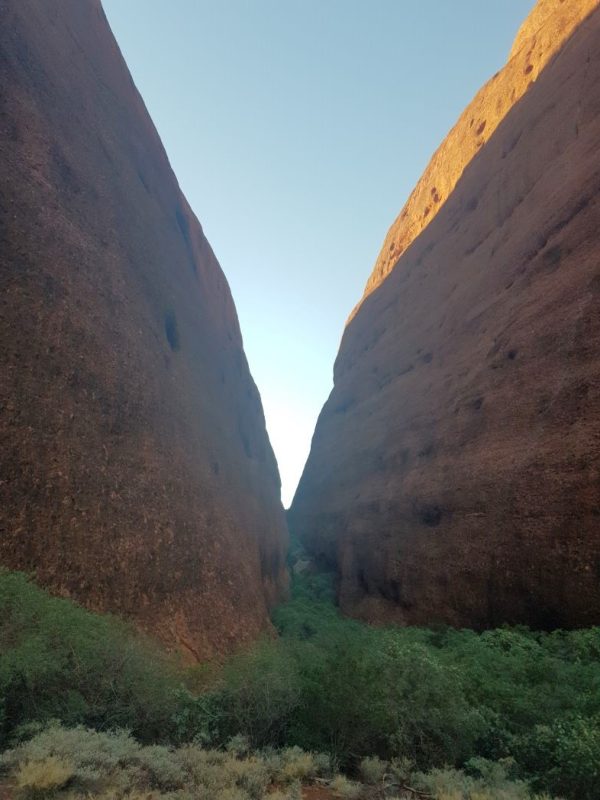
<point x="136" y="472"/>
<point x="454" y="474"/>
<point x="539" y="39"/>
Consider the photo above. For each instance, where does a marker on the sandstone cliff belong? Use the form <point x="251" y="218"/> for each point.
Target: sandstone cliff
<point x="539" y="39"/>
<point x="137" y="476"/>
<point x="454" y="474"/>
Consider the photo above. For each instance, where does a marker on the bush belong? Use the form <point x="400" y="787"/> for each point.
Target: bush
<point x="257" y="696"/>
<point x="59" y="661"/>
<point x="293" y="792"/>
<point x="440" y="696"/>
<point x="372" y="770"/>
<point x="78" y="763"/>
<point x="349" y="790"/>
<point x="564" y="757"/>
<point x="114" y="765"/>
<point x="94" y="757"/>
<point x="492" y="784"/>
<point x="33" y="778"/>
<point x="96" y="763"/>
<point x="298" y="765"/>
<point x="354" y="691"/>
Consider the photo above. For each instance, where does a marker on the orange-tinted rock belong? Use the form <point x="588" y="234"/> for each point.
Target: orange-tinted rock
<point x="454" y="474"/>
<point x="539" y="39"/>
<point x="137" y="476"/>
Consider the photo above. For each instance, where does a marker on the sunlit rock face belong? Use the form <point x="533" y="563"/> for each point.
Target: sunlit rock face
<point x="454" y="475"/>
<point x="136" y="472"/>
<point x="539" y="39"/>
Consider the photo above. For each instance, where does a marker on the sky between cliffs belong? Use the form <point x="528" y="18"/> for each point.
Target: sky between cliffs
<point x="297" y="129"/>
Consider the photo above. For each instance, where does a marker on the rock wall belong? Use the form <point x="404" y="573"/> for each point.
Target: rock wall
<point x="540" y="38"/>
<point x="136" y="472"/>
<point x="454" y="474"/>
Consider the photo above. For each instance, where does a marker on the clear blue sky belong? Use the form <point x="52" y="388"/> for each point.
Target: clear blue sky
<point x="297" y="129"/>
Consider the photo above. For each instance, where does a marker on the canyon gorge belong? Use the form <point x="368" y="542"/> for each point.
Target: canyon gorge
<point x="454" y="473"/>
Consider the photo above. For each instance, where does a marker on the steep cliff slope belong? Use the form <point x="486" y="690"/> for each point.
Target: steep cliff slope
<point x="454" y="474"/>
<point x="541" y="36"/>
<point x="137" y="475"/>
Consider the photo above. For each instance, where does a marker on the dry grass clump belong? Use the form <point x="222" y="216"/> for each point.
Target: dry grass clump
<point x="487" y="781"/>
<point x="398" y="780"/>
<point x="112" y="766"/>
<point x="293" y="792"/>
<point x="372" y="770"/>
<point x="78" y="763"/>
<point x="43" y="776"/>
<point x="293" y="764"/>
<point x="345" y="788"/>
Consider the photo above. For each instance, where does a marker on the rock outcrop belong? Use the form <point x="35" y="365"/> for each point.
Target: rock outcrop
<point x="539" y="39"/>
<point x="136" y="472"/>
<point x="454" y="475"/>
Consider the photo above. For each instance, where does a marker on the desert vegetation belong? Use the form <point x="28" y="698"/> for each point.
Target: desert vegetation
<point x="91" y="708"/>
<point x="76" y="763"/>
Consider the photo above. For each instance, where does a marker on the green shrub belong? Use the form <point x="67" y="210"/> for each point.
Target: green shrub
<point x="564" y="757"/>
<point x="59" y="661"/>
<point x="258" y="694"/>
<point x="492" y="783"/>
<point x="372" y="770"/>
<point x="238" y="745"/>
<point x="443" y="696"/>
<point x="367" y="692"/>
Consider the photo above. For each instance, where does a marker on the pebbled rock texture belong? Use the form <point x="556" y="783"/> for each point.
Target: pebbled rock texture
<point x="454" y="475"/>
<point x="136" y="472"/>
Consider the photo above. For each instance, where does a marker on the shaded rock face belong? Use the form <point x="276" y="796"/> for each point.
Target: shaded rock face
<point x="137" y="476"/>
<point x="454" y="475"/>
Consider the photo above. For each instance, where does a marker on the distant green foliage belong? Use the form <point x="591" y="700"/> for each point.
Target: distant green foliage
<point x="58" y="660"/>
<point x="437" y="697"/>
<point x="335" y="685"/>
<point x="565" y="756"/>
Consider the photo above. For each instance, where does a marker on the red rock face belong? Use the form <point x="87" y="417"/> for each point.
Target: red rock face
<point x="454" y="475"/>
<point x="540" y="38"/>
<point x="137" y="476"/>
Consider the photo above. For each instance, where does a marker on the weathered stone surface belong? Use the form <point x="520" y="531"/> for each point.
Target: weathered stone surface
<point x="137" y="475"/>
<point x="454" y="474"/>
<point x="539" y="39"/>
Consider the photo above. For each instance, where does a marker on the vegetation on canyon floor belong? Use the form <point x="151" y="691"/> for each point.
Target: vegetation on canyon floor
<point x="450" y="714"/>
